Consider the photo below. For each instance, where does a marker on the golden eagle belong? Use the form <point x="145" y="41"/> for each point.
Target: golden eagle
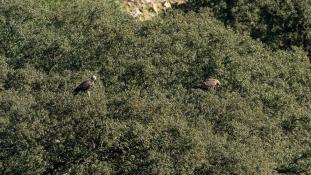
<point x="208" y="84"/>
<point x="85" y="86"/>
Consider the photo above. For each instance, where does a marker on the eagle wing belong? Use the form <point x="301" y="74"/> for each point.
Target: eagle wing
<point x="212" y="82"/>
<point x="202" y="86"/>
<point x="84" y="86"/>
<point x="209" y="83"/>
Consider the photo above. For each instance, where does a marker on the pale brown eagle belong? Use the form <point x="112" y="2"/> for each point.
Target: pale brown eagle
<point x="208" y="84"/>
<point x="85" y="86"/>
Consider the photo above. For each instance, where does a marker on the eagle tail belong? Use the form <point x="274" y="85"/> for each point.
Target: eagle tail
<point x="200" y="86"/>
<point x="197" y="86"/>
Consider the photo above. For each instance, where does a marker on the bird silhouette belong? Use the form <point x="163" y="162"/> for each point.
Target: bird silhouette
<point x="85" y="86"/>
<point x="208" y="84"/>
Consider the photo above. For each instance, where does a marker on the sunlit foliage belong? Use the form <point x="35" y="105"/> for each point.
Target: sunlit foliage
<point x="143" y="116"/>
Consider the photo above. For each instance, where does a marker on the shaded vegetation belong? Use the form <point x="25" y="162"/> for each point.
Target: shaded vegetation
<point x="143" y="116"/>
<point x="279" y="23"/>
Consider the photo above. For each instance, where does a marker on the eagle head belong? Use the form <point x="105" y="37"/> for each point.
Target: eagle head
<point x="93" y="78"/>
<point x="218" y="82"/>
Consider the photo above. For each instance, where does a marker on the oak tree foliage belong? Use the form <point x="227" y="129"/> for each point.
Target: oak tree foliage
<point x="144" y="116"/>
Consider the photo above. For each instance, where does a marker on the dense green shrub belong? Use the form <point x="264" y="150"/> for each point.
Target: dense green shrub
<point x="143" y="116"/>
<point x="281" y="24"/>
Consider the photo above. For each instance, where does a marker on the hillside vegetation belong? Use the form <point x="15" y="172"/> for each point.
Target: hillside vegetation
<point x="143" y="116"/>
<point x="279" y="23"/>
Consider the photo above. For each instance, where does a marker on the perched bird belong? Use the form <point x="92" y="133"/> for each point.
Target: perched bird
<point x="85" y="86"/>
<point x="208" y="84"/>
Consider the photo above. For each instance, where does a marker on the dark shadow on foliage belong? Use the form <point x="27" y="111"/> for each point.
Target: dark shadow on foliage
<point x="280" y="24"/>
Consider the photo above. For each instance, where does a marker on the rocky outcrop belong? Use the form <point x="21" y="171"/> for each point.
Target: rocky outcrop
<point x="146" y="9"/>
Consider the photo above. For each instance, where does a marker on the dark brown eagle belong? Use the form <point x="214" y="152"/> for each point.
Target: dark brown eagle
<point x="85" y="86"/>
<point x="208" y="84"/>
